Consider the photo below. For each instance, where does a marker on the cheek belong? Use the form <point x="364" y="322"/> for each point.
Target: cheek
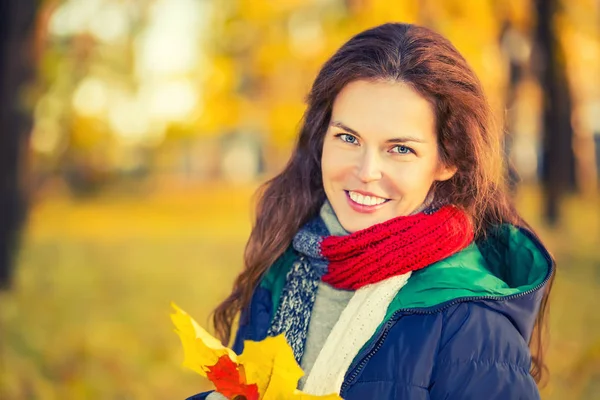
<point x="334" y="165"/>
<point x="412" y="178"/>
<point x="326" y="163"/>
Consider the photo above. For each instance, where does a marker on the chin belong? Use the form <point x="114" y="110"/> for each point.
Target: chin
<point x="356" y="223"/>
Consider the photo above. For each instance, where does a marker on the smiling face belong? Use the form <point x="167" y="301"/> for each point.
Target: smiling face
<point x="380" y="153"/>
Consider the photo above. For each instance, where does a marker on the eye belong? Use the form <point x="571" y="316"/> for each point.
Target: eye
<point x="345" y="137"/>
<point x="402" y="150"/>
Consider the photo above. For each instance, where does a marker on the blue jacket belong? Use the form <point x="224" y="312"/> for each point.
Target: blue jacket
<point x="459" y="329"/>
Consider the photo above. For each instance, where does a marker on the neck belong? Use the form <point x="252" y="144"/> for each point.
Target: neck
<point x="331" y="220"/>
<point x="426" y="203"/>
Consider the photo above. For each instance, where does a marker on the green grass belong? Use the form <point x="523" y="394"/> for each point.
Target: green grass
<point x="88" y="317"/>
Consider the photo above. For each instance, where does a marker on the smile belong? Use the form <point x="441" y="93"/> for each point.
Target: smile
<point x="364" y="203"/>
<point x="366" y="200"/>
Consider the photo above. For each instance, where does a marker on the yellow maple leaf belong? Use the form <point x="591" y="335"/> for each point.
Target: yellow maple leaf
<point x="270" y="363"/>
<point x="201" y="350"/>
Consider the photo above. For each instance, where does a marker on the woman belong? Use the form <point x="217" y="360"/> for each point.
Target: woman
<point x="388" y="251"/>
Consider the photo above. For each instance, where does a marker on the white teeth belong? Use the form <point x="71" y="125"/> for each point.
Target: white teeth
<point x="366" y="200"/>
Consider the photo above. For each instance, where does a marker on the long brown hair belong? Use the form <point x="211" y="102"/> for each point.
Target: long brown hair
<point x="467" y="137"/>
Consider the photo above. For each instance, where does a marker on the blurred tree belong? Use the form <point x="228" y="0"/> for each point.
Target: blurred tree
<point x="265" y="56"/>
<point x="579" y="34"/>
<point x="512" y="42"/>
<point x="558" y="160"/>
<point x="17" y="20"/>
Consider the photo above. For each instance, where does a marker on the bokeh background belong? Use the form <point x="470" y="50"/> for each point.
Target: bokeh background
<point x="133" y="134"/>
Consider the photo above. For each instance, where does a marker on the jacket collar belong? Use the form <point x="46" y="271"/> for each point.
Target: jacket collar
<point x="508" y="270"/>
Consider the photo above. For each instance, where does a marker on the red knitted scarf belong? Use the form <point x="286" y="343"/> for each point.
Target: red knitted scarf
<point x="395" y="247"/>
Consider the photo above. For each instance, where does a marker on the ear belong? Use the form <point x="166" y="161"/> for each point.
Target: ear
<point x="445" y="173"/>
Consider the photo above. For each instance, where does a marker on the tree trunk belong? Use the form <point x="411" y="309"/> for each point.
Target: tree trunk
<point x="516" y="70"/>
<point x="17" y="18"/>
<point x="558" y="160"/>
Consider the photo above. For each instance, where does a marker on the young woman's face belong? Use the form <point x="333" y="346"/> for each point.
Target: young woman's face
<point x="380" y="153"/>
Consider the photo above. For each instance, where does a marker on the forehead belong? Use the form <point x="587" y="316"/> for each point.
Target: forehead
<point x="385" y="109"/>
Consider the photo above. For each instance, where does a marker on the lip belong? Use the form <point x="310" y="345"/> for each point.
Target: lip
<point x="363" y="208"/>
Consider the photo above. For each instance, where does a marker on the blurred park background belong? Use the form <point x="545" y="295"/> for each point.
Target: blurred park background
<point x="133" y="134"/>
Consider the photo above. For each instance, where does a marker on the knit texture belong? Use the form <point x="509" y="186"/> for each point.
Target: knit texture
<point x="364" y="257"/>
<point x="356" y="325"/>
<point x="395" y="247"/>
<point x="293" y="314"/>
<point x="326" y="312"/>
<point x="329" y="304"/>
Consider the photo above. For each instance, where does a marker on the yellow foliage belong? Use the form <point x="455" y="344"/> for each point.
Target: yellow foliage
<point x="270" y="363"/>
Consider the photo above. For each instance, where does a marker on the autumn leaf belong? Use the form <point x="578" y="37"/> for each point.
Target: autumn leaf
<point x="271" y="364"/>
<point x="230" y="381"/>
<point x="266" y="370"/>
<point x="201" y="350"/>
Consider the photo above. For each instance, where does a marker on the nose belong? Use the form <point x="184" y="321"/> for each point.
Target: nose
<point x="369" y="169"/>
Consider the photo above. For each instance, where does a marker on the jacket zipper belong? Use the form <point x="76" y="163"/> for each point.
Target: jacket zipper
<point x="357" y="366"/>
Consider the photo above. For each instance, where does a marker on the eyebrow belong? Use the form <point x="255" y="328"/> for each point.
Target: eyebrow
<point x="402" y="139"/>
